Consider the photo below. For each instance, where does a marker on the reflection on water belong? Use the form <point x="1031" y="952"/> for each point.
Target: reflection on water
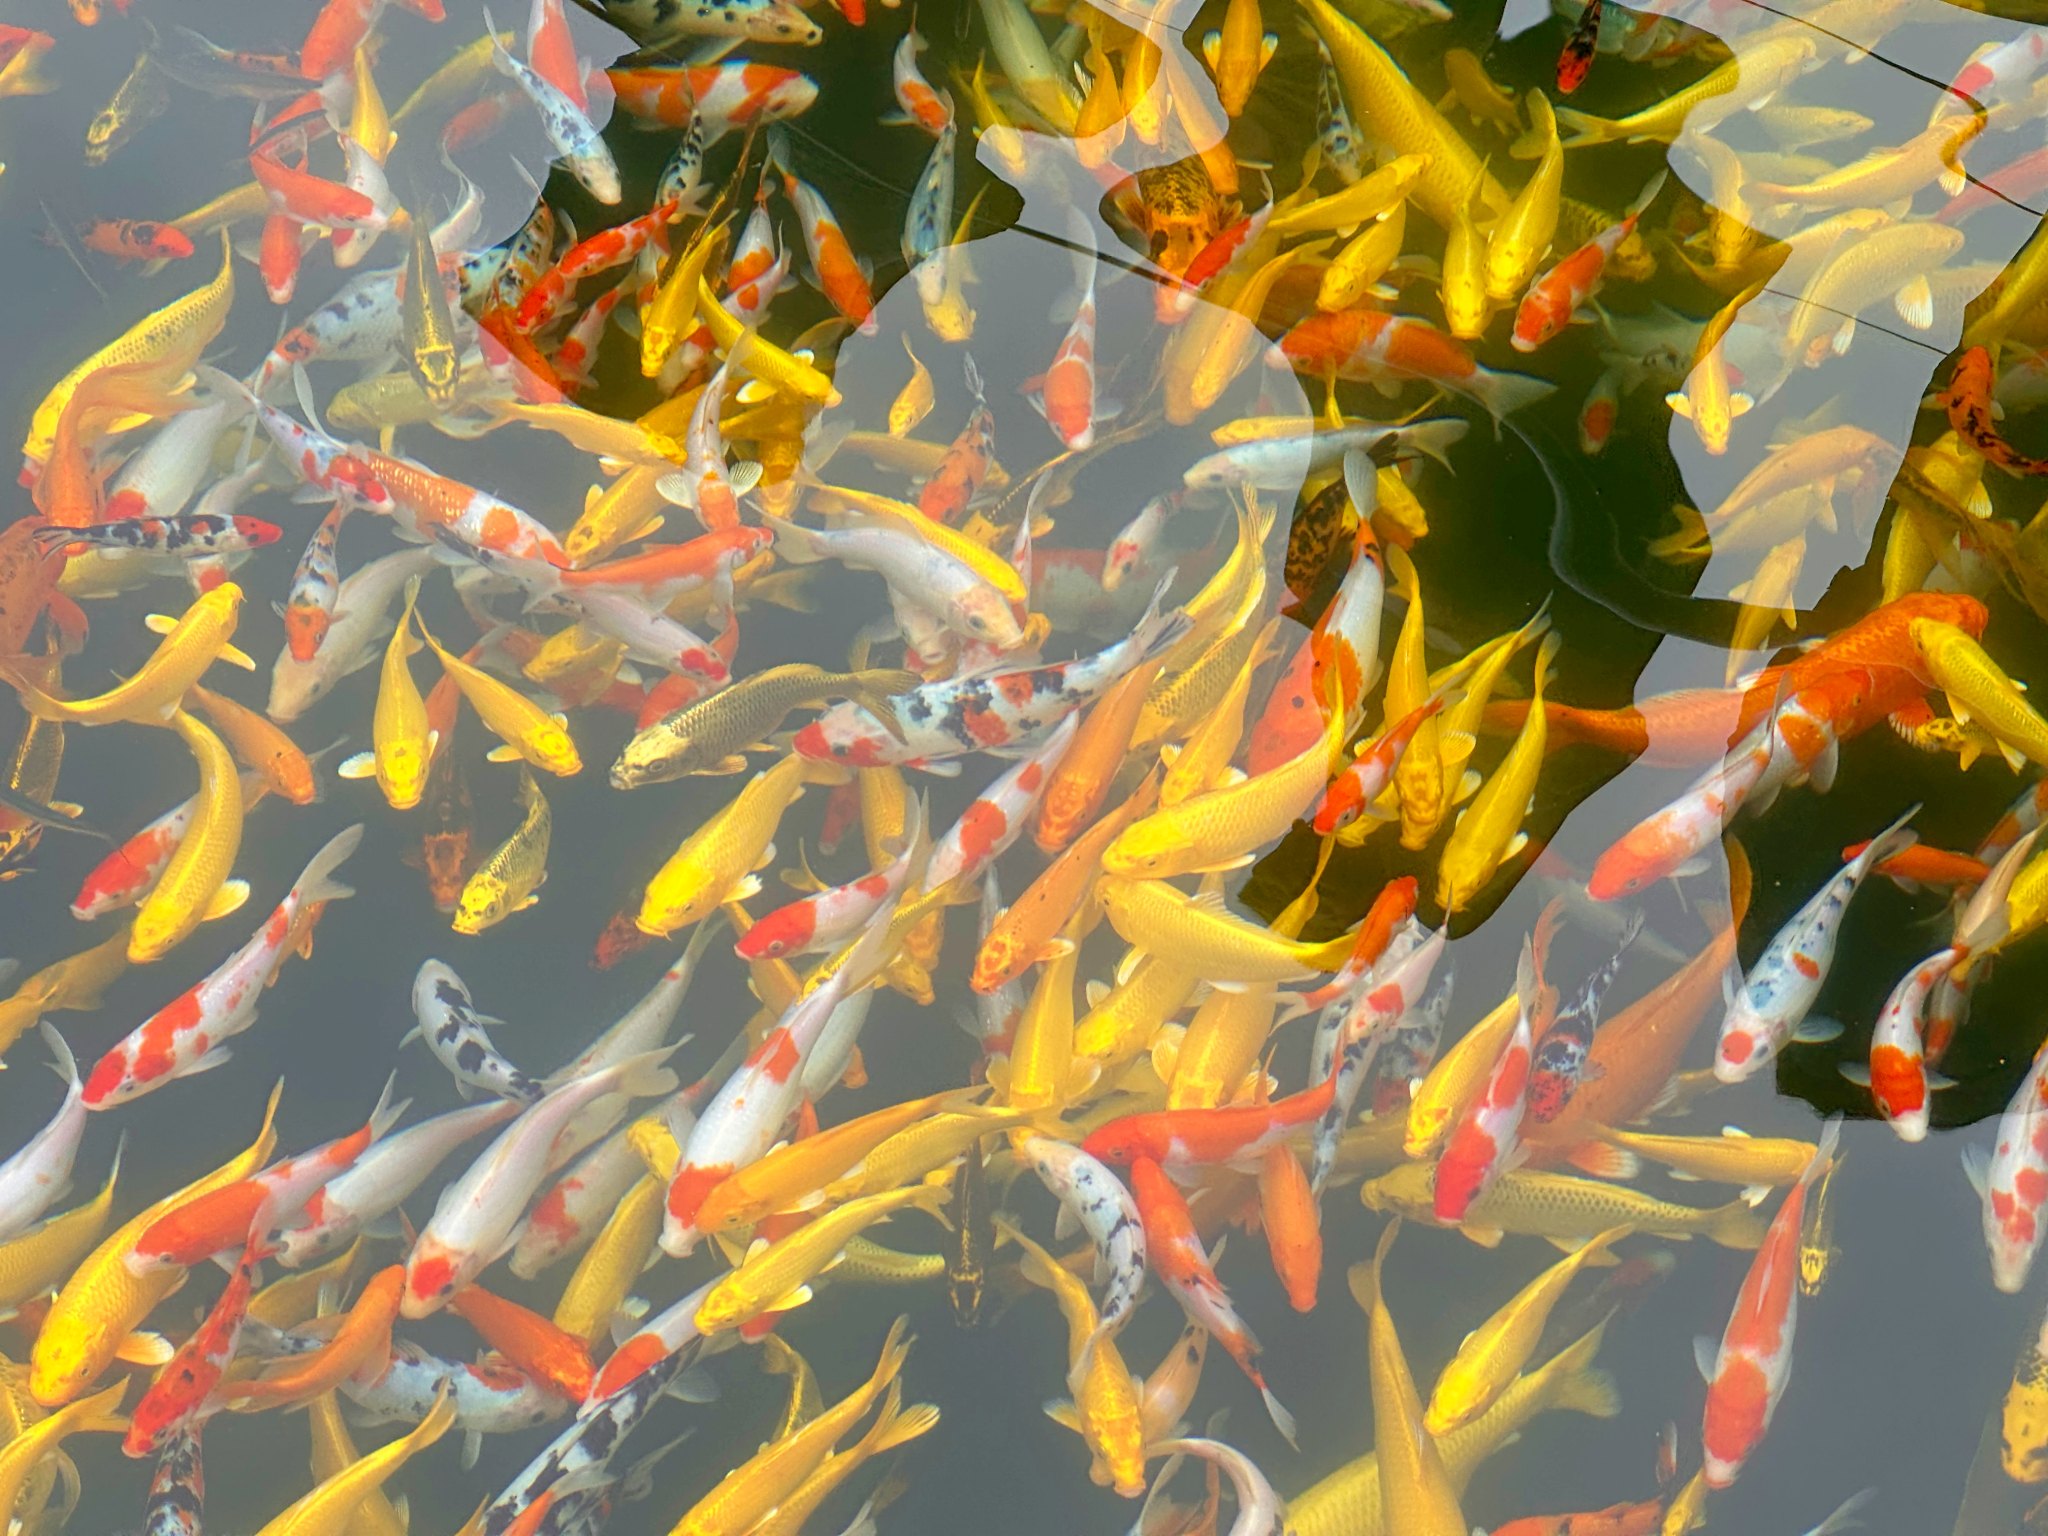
<point x="1116" y="527"/>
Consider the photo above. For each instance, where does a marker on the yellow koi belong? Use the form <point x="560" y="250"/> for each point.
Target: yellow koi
<point x="1516" y="246"/>
<point x="1419" y="776"/>
<point x="189" y="322"/>
<point x="775" y="1277"/>
<point x="402" y="744"/>
<point x="331" y="1506"/>
<point x="1363" y="262"/>
<point x="333" y="1449"/>
<point x="368" y="123"/>
<point x="40" y="1259"/>
<point x="914" y="401"/>
<point x="1978" y="690"/>
<point x="1103" y="1409"/>
<point x="194" y="887"/>
<point x="527" y="730"/>
<point x="604" y="1277"/>
<point x="1238" y="54"/>
<point x="1495" y="1352"/>
<point x="715" y="863"/>
<point x="671" y="315"/>
<point x="77" y="983"/>
<point x="1756" y="72"/>
<point x="631" y="507"/>
<point x="192" y="643"/>
<point x="1473" y="90"/>
<point x="1489" y="831"/>
<point x="506" y="881"/>
<point x="746" y="350"/>
<point x="20" y="1456"/>
<point x="1199" y="933"/>
<point x="103" y="1299"/>
<point x="1404" y="121"/>
<point x="1415" y="1486"/>
<point x="1042" y="1070"/>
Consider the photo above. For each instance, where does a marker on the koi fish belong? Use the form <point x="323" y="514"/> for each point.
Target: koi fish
<point x="1483" y="1141"/>
<point x="1560" y="1060"/>
<point x="185" y="1036"/>
<point x="447" y="1020"/>
<point x="1748" y="1372"/>
<point x="1558" y="295"/>
<point x="1576" y="61"/>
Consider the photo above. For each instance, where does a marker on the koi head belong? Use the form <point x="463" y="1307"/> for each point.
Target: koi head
<point x="432" y="1275"/>
<point x="785" y="931"/>
<point x="1543" y="314"/>
<point x="305" y="627"/>
<point x="402" y="772"/>
<point x="481" y="904"/>
<point x="999" y="959"/>
<point x="1154" y="846"/>
<point x="557" y="753"/>
<point x="69" y="1351"/>
<point x="156" y="933"/>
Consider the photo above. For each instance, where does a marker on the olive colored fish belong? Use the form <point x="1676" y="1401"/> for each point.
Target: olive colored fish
<point x="712" y="735"/>
<point x="506" y="881"/>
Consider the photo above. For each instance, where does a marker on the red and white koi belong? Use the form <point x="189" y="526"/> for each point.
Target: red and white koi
<point x="1897" y="1074"/>
<point x="365" y="1197"/>
<point x="747" y="1114"/>
<point x="551" y="52"/>
<point x="124" y="876"/>
<point x="1174" y="1249"/>
<point x="1372" y="346"/>
<point x="1668" y="842"/>
<point x="575" y="137"/>
<point x="568" y="1216"/>
<point x="1782" y="986"/>
<point x="830" y="917"/>
<point x="1748" y="1374"/>
<point x="997" y="711"/>
<point x="725" y="97"/>
<point x="362" y="625"/>
<point x="33" y="1178"/>
<point x="655" y="1340"/>
<point x="998" y="815"/>
<point x="477" y="1217"/>
<point x="1557" y="296"/>
<point x="182" y="1395"/>
<point x="707" y="486"/>
<point x="338" y="469"/>
<point x="162" y="476"/>
<point x="1485" y="1141"/>
<point x="2012" y="1180"/>
<point x="249" y="1209"/>
<point x="1065" y="394"/>
<point x="185" y="1036"/>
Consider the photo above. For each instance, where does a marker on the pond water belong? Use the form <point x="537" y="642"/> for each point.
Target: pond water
<point x="1234" y="365"/>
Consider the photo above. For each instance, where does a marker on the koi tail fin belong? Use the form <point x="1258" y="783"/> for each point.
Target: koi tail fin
<point x="1503" y="394"/>
<point x="1735" y="1225"/>
<point x="1157" y="632"/>
<point x="1570" y="1382"/>
<point x="1585" y="128"/>
<point x="875" y="690"/>
<point x="317" y="883"/>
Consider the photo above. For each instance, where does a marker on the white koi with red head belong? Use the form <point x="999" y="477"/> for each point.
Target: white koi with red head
<point x="381" y="1179"/>
<point x="165" y="473"/>
<point x="656" y="1339"/>
<point x="1786" y="979"/>
<point x="747" y="1114"/>
<point x="477" y="1217"/>
<point x="1484" y="1142"/>
<point x="185" y="1036"/>
<point x="1747" y="1375"/>
<point x="834" y="915"/>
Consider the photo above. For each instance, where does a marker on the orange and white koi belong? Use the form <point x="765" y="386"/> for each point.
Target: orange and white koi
<point x="840" y="275"/>
<point x="1173" y="1249"/>
<point x="1346" y="639"/>
<point x="1230" y="1135"/>
<point x="185" y="1036"/>
<point x="1065" y="394"/>
<point x="1748" y="1374"/>
<point x="1366" y="777"/>
<point x="923" y="104"/>
<point x="998" y="815"/>
<point x="1373" y="346"/>
<point x="248" y="1209"/>
<point x="551" y="51"/>
<point x="601" y="252"/>
<point x="1483" y="1143"/>
<point x="125" y="875"/>
<point x="726" y="96"/>
<point x="1557" y="296"/>
<point x="830" y="917"/>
